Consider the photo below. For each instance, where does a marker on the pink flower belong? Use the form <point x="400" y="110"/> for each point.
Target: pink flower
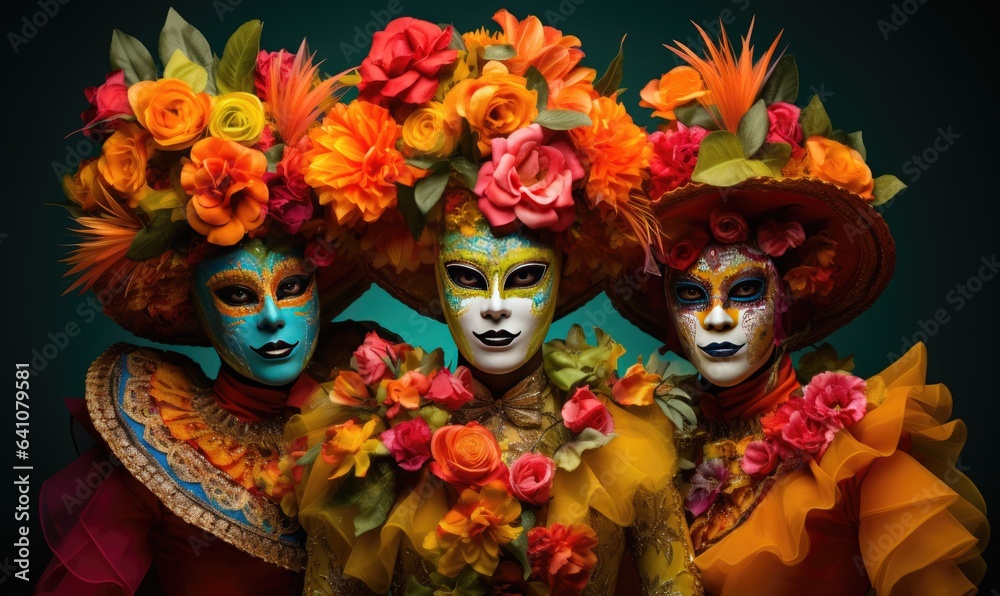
<point x="785" y="127"/>
<point x="707" y="481"/>
<point x="529" y="181"/>
<point x="774" y="238"/>
<point x="531" y="478"/>
<point x="761" y="457"/>
<point x="808" y="434"/>
<point x="370" y="359"/>
<point x="262" y="76"/>
<point x="290" y="168"/>
<point x="584" y="410"/>
<point x="267" y="139"/>
<point x="675" y="153"/>
<point x="404" y="62"/>
<point x="836" y="397"/>
<point x="451" y="390"/>
<point x="409" y="443"/>
<point x="319" y="252"/>
<point x="773" y="423"/>
<point x="287" y="207"/>
<point x="727" y="226"/>
<point x="109" y="100"/>
<point x="685" y="253"/>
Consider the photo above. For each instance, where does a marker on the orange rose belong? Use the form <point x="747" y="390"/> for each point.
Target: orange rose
<point x="228" y="194"/>
<point x="123" y="162"/>
<point x="616" y="150"/>
<point x="543" y="47"/>
<point x="574" y="92"/>
<point x="87" y="188"/>
<point x="839" y="164"/>
<point x="495" y="105"/>
<point x="174" y="114"/>
<point x="636" y="387"/>
<point x="405" y="392"/>
<point x="675" y="88"/>
<point x="467" y="456"/>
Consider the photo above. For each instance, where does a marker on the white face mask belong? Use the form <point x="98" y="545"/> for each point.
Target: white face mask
<point x="723" y="309"/>
<point x="498" y="295"/>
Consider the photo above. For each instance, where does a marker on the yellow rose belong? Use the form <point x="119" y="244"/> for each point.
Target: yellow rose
<point x="432" y="131"/>
<point x="839" y="164"/>
<point x="175" y="115"/>
<point x="87" y="189"/>
<point x="237" y="117"/>
<point x="123" y="162"/>
<point x="495" y="105"/>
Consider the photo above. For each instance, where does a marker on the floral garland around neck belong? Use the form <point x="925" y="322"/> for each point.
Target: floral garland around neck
<point x="402" y="400"/>
<point x="734" y="469"/>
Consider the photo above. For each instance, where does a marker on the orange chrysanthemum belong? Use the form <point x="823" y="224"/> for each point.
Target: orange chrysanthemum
<point x="353" y="164"/>
<point x="228" y="194"/>
<point x="544" y="47"/>
<point x="616" y="152"/>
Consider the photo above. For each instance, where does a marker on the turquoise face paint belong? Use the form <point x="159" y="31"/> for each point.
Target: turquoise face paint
<point x="260" y="309"/>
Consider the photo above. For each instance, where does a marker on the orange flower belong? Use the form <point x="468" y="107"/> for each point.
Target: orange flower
<point x="431" y="130"/>
<point x="495" y="105"/>
<point x="354" y="164"/>
<point x="349" y="445"/>
<point x="481" y="38"/>
<point x="839" y="164"/>
<point x="123" y="162"/>
<point x="227" y="191"/>
<point x="616" y="150"/>
<point x="563" y="556"/>
<point x="473" y="530"/>
<point x="543" y="47"/>
<point x="174" y="114"/>
<point x="675" y="88"/>
<point x="466" y="455"/>
<point x="349" y="389"/>
<point x="394" y="245"/>
<point x="574" y="92"/>
<point x="405" y="392"/>
<point x="636" y="387"/>
<point x="87" y="187"/>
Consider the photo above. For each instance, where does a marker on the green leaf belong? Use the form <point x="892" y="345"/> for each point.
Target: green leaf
<point x="179" y="67"/>
<point x="721" y="161"/>
<point x="783" y="84"/>
<point x="753" y="128"/>
<point x="469" y="143"/>
<point x="814" y="119"/>
<point x="775" y="156"/>
<point x="406" y="202"/>
<point x="414" y="588"/>
<point x="500" y="51"/>
<point x="128" y="54"/>
<point x="468" y="170"/>
<point x="519" y="546"/>
<point x="886" y="187"/>
<point x="612" y="77"/>
<point x="178" y="34"/>
<point x="456" y="43"/>
<point x="274" y="155"/>
<point x="75" y="211"/>
<point x="537" y="83"/>
<point x="239" y="60"/>
<point x="428" y="191"/>
<point x="154" y="240"/>
<point x="309" y="456"/>
<point x="562" y="119"/>
<point x="373" y="495"/>
<point x="568" y="456"/>
<point x="694" y="114"/>
<point x="158" y="200"/>
<point x="854" y="141"/>
<point x="425" y="162"/>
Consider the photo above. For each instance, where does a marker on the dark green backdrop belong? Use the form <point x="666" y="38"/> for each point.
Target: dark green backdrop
<point x="910" y="74"/>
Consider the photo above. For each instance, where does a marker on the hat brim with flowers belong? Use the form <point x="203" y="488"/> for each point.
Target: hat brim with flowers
<point x="201" y="155"/>
<point x="508" y="122"/>
<point x="739" y="161"/>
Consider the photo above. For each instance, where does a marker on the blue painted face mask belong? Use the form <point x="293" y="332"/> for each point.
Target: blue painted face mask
<point x="260" y="309"/>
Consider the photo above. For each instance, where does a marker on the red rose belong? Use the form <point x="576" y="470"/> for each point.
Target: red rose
<point x="727" y="226"/>
<point x="467" y="456"/>
<point x="409" y="443"/>
<point x="584" y="410"/>
<point x="531" y="478"/>
<point x="451" y="390"/>
<point x="109" y="100"/>
<point x="369" y="359"/>
<point x="262" y="75"/>
<point x="563" y="556"/>
<point x="685" y="253"/>
<point x="404" y="62"/>
<point x="784" y="126"/>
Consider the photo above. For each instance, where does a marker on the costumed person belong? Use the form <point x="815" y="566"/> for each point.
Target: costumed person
<point x="515" y="471"/>
<point x="811" y="481"/>
<point x="198" y="228"/>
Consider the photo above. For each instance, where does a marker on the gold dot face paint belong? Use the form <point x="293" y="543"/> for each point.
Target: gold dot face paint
<point x="723" y="308"/>
<point x="498" y="295"/>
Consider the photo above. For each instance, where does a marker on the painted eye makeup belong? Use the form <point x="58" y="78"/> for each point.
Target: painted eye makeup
<point x="747" y="290"/>
<point x="467" y="277"/>
<point x="293" y="286"/>
<point x="236" y="295"/>
<point x="689" y="293"/>
<point x="525" y="276"/>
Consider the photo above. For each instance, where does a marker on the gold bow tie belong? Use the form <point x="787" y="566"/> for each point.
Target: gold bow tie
<point x="522" y="405"/>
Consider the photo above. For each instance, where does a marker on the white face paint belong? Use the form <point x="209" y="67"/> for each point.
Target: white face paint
<point x="723" y="309"/>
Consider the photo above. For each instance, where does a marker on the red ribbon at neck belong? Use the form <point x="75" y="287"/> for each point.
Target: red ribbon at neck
<point x="750" y="397"/>
<point x="253" y="402"/>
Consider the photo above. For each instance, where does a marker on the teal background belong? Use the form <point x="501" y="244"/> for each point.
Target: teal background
<point x="929" y="75"/>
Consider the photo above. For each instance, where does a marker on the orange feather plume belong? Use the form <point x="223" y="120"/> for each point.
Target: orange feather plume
<point x="106" y="239"/>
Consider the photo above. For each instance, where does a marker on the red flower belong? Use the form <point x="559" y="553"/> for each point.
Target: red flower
<point x="784" y="126"/>
<point x="761" y="457"/>
<point x="832" y="396"/>
<point x="685" y="253"/>
<point x="563" y="556"/>
<point x="370" y="357"/>
<point x="320" y="252"/>
<point x="451" y="390"/>
<point x="285" y="206"/>
<point x="409" y="443"/>
<point x="404" y="62"/>
<point x="291" y="167"/>
<point x="107" y="101"/>
<point x="775" y="238"/>
<point x="262" y="76"/>
<point x="584" y="410"/>
<point x="674" y="155"/>
<point x="531" y="478"/>
<point x="808" y="434"/>
<point x="727" y="226"/>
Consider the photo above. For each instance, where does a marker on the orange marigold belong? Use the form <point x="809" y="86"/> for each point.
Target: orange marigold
<point x="354" y="164"/>
<point x="544" y="47"/>
<point x="616" y="152"/>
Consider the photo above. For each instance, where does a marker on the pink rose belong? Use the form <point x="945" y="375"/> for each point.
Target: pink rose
<point x="531" y="478"/>
<point x="775" y="238"/>
<point x="404" y="62"/>
<point x="369" y="359"/>
<point x="727" y="226"/>
<point x="785" y="127"/>
<point x="761" y="457"/>
<point x="409" y="443"/>
<point x="529" y="181"/>
<point x="451" y="390"/>
<point x="675" y="153"/>
<point x="262" y="76"/>
<point x="808" y="434"/>
<point x="832" y="396"/>
<point x="109" y="100"/>
<point x="584" y="410"/>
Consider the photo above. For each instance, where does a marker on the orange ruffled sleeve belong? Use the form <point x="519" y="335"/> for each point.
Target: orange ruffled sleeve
<point x="885" y="505"/>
